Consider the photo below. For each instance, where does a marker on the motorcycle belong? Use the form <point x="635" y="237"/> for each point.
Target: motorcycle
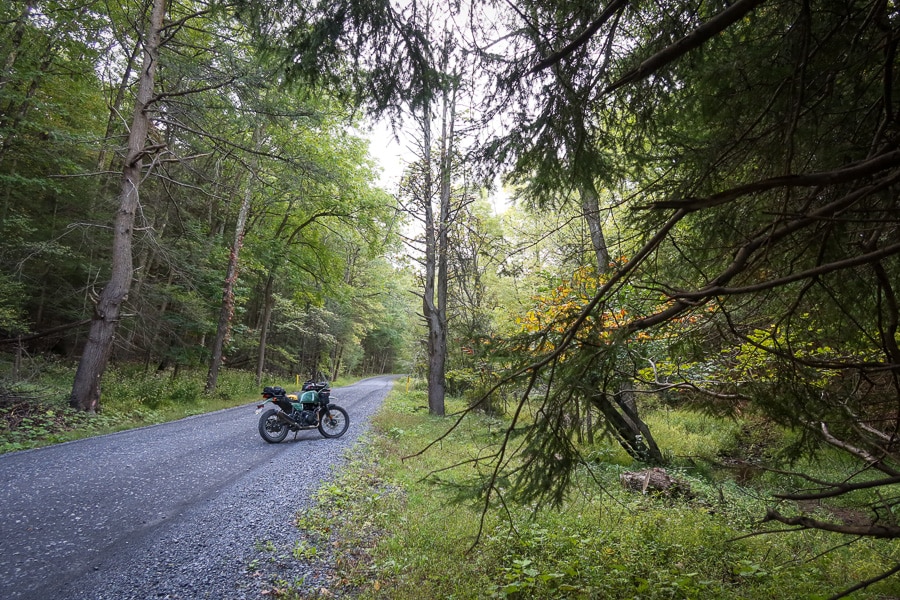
<point x="310" y="408"/>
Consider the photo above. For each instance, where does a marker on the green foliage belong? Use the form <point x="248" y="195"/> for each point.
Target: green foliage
<point x="12" y="301"/>
<point x="317" y="225"/>
<point x="398" y="533"/>
<point x="691" y="434"/>
<point x="321" y="44"/>
<point x="37" y="413"/>
<point x="133" y="385"/>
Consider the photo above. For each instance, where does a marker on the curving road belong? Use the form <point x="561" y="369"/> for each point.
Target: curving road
<point x="187" y="509"/>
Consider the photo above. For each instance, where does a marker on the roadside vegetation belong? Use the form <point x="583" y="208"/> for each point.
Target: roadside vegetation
<point x="36" y="412"/>
<point x="401" y="525"/>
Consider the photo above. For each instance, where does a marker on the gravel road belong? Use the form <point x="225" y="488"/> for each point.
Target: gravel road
<point x="197" y="508"/>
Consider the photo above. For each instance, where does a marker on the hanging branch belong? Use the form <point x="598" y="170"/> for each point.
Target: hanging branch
<point x="694" y="39"/>
<point x="613" y="8"/>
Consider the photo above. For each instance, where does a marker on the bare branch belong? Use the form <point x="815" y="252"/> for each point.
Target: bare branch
<point x="864" y="584"/>
<point x="876" y="531"/>
<point x="874" y="461"/>
<point x="46" y="332"/>
<point x="838" y="489"/>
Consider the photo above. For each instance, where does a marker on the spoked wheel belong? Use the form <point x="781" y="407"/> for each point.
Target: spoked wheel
<point x="333" y="421"/>
<point x="271" y="428"/>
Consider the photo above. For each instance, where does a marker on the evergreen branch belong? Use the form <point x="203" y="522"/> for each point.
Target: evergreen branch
<point x="740" y="263"/>
<point x="46" y="332"/>
<point x="582" y="39"/>
<point x="839" y="489"/>
<point x="695" y="39"/>
<point x="662" y="386"/>
<point x="205" y="88"/>
<point x="840" y="265"/>
<point x="871" y="366"/>
<point x="846" y="174"/>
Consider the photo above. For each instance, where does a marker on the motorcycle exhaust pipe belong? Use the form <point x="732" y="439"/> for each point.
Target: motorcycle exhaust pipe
<point x="286" y="418"/>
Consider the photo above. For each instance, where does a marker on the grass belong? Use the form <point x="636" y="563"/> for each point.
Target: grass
<point x="400" y="531"/>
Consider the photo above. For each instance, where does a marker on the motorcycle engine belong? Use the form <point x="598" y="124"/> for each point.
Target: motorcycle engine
<point x="308" y="417"/>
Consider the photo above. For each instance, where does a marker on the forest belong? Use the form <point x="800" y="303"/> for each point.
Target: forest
<point x="607" y="207"/>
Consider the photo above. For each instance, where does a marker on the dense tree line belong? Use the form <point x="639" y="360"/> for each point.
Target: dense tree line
<point x="230" y="161"/>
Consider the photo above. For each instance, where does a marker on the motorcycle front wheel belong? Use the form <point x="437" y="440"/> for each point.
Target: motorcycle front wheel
<point x="333" y="421"/>
<point x="271" y="428"/>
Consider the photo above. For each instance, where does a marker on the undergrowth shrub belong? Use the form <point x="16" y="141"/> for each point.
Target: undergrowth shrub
<point x="38" y="413"/>
<point x="692" y="434"/>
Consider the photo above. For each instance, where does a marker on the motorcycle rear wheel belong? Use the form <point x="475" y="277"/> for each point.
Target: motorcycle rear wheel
<point x="333" y="421"/>
<point x="271" y="428"/>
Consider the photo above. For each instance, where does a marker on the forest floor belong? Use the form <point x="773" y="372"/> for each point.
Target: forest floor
<point x="397" y="524"/>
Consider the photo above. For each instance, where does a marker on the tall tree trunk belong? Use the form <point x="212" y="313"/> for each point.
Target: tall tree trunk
<point x="437" y="246"/>
<point x="104" y="156"/>
<point x="268" y="305"/>
<point x="633" y="434"/>
<point x="86" y="387"/>
<point x="338" y="356"/>
<point x="430" y="304"/>
<point x="231" y="275"/>
<point x="590" y="208"/>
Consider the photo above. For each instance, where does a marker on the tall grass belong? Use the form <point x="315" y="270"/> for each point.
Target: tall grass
<point x="131" y="397"/>
<point x="401" y="530"/>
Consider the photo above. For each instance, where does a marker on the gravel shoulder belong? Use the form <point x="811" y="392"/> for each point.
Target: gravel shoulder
<point x="198" y="508"/>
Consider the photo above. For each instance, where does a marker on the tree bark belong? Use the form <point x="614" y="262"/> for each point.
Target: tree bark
<point x="268" y="305"/>
<point x="590" y="207"/>
<point x="436" y="263"/>
<point x="338" y="356"/>
<point x="231" y="275"/>
<point x="633" y="434"/>
<point x="86" y="387"/>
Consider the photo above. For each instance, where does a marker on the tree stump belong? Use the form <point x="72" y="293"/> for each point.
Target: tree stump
<point x="654" y="480"/>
